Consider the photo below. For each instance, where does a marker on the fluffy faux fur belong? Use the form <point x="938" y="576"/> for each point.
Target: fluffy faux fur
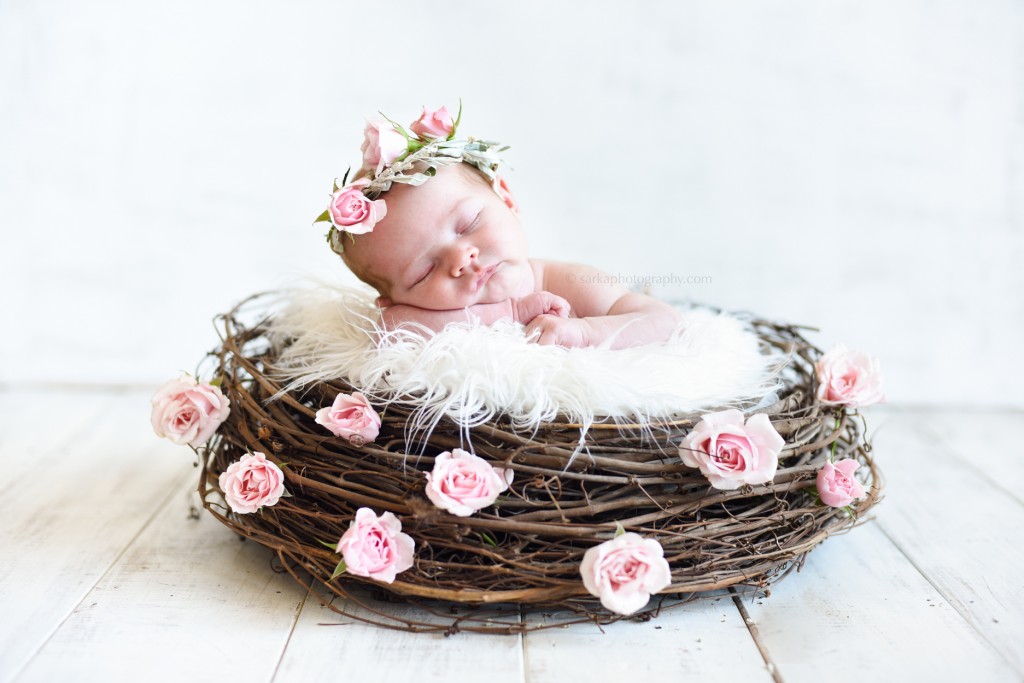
<point x="471" y="373"/>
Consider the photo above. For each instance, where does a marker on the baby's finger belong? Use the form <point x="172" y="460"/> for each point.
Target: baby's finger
<point x="541" y="331"/>
<point x="558" y="306"/>
<point x="534" y="330"/>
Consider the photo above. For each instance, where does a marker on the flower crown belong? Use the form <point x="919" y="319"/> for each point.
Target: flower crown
<point x="391" y="154"/>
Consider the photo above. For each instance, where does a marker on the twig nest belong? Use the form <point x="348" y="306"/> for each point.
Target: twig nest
<point x="526" y="543"/>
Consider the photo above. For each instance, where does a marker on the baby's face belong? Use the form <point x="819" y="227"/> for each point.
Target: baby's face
<point x="447" y="244"/>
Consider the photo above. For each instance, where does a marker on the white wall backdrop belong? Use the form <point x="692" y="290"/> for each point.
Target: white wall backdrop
<point x="857" y="166"/>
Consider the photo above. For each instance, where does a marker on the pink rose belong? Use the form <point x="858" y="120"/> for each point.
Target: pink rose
<point x="351" y="211"/>
<point x="434" y="124"/>
<point x="351" y="417"/>
<point x="375" y="547"/>
<point x="625" y="571"/>
<point x="382" y="144"/>
<point x="848" y="378"/>
<point x="732" y="453"/>
<point x="463" y="483"/>
<point x="836" y="484"/>
<point x="251" y="483"/>
<point x="187" y="411"/>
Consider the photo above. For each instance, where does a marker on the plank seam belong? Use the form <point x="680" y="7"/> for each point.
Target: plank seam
<point x="935" y="439"/>
<point x="952" y="601"/>
<point x="523" y="657"/>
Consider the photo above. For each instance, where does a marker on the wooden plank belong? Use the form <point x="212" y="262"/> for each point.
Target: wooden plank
<point x="990" y="442"/>
<point x="38" y="424"/>
<point x="704" y="640"/>
<point x="957" y="526"/>
<point x="860" y="610"/>
<point x="186" y="599"/>
<point x="89" y="473"/>
<point x="190" y="588"/>
<point x="374" y="653"/>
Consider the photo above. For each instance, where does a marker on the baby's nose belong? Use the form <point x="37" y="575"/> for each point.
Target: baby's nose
<point x="463" y="259"/>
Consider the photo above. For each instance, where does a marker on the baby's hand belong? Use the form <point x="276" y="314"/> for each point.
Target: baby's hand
<point x="555" y="331"/>
<point x="539" y="303"/>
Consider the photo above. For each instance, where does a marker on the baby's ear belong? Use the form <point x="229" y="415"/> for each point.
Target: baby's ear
<point x="501" y="187"/>
<point x="383" y="302"/>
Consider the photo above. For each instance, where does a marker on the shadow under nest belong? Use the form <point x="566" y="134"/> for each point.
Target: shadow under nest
<point x="526" y="549"/>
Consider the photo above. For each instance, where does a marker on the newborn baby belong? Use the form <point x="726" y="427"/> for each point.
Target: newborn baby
<point x="454" y="245"/>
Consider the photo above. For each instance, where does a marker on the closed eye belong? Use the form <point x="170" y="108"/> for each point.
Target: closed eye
<point x="423" y="277"/>
<point x="472" y="225"/>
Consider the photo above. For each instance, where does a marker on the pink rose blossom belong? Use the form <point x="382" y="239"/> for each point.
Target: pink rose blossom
<point x="848" y="378"/>
<point x="375" y="547"/>
<point x="382" y="144"/>
<point x="434" y="124"/>
<point x="625" y="571"/>
<point x="351" y="417"/>
<point x="463" y="483"/>
<point x="351" y="211"/>
<point x="251" y="483"/>
<point x="836" y="484"/>
<point x="187" y="411"/>
<point x="731" y="453"/>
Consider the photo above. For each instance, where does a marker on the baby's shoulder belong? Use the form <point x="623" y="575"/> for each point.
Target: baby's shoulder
<point x="549" y="275"/>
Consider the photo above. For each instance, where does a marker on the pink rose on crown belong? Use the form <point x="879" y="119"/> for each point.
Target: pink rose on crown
<point x="625" y="571"/>
<point x="836" y="484"/>
<point x="382" y="144"/>
<point x="463" y="483"/>
<point x="351" y="417"/>
<point x="375" y="547"/>
<point x="351" y="211"/>
<point x="434" y="124"/>
<point x="187" y="411"/>
<point x="251" y="482"/>
<point x="732" y="452"/>
<point x="848" y="378"/>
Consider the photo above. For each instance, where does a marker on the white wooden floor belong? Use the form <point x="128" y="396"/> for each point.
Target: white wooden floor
<point x="105" y="577"/>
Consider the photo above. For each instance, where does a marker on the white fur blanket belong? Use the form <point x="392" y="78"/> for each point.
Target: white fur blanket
<point x="471" y="373"/>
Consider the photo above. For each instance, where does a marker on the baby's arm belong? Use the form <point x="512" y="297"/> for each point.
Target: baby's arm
<point x="607" y="310"/>
<point x="521" y="310"/>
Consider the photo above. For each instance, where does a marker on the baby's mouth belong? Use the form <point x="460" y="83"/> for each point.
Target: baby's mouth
<point x="483" y="276"/>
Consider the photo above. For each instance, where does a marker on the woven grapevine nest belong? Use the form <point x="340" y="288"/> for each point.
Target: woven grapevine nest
<point x="527" y="548"/>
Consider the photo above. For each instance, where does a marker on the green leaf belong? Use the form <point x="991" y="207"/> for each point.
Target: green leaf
<point x="397" y="126"/>
<point x="217" y="382"/>
<point x="619" y="530"/>
<point x="344" y="181"/>
<point x="332" y="546"/>
<point x="455" y="123"/>
<point x="488" y="539"/>
<point x="339" y="570"/>
<point x="324" y="217"/>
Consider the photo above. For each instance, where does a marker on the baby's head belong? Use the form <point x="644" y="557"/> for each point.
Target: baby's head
<point x="449" y="241"/>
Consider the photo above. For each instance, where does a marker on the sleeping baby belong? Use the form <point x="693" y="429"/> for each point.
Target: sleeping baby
<point x="431" y="226"/>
